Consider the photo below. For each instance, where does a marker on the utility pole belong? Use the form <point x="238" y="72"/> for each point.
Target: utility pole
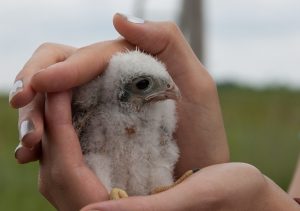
<point x="139" y="8"/>
<point x="191" y="22"/>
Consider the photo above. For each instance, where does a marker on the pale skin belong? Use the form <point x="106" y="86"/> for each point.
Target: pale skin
<point x="294" y="189"/>
<point x="68" y="183"/>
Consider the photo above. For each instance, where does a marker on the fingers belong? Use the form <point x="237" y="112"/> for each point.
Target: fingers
<point x="61" y="143"/>
<point x="31" y="122"/>
<point x="230" y="186"/>
<point x="81" y="67"/>
<point x="31" y="105"/>
<point x="30" y="130"/>
<point x="128" y="204"/>
<point x="65" y="179"/>
<point x="132" y="28"/>
<point x="25" y="155"/>
<point x="205" y="190"/>
<point x="49" y="53"/>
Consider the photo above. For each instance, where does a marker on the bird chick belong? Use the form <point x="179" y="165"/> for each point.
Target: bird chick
<point x="125" y="120"/>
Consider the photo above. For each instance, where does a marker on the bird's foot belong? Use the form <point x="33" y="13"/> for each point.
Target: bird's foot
<point x="117" y="193"/>
<point x="182" y="178"/>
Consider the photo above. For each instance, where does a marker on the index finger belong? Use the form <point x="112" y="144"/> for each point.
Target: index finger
<point x="47" y="54"/>
<point x="84" y="65"/>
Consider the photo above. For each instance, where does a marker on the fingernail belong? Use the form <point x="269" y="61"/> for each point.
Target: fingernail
<point x="26" y="127"/>
<point x="17" y="149"/>
<point x="132" y="19"/>
<point x="17" y="87"/>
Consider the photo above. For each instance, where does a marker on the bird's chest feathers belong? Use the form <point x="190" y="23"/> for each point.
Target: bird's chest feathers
<point x="136" y="128"/>
<point x="124" y="131"/>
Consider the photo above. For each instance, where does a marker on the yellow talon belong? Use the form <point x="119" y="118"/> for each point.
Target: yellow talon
<point x="117" y="193"/>
<point x="183" y="177"/>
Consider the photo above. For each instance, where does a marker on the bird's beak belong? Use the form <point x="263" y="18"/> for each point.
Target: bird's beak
<point x="172" y="92"/>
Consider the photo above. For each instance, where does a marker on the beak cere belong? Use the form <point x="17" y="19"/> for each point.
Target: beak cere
<point x="172" y="92"/>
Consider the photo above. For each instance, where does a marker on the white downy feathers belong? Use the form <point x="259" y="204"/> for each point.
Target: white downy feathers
<point x="125" y="120"/>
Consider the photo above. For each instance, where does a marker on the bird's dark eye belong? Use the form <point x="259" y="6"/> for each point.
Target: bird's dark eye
<point x="142" y="84"/>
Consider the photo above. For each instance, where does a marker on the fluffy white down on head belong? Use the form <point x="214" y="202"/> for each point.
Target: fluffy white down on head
<point x="123" y="67"/>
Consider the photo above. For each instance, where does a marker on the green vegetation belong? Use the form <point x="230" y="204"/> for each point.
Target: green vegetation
<point x="263" y="128"/>
<point x="18" y="183"/>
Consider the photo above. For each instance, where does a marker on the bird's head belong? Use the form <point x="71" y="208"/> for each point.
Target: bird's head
<point x="140" y="80"/>
<point x="145" y="89"/>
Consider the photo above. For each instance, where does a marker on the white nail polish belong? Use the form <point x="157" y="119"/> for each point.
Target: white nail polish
<point x="25" y="127"/>
<point x="17" y="87"/>
<point x="17" y="148"/>
<point x="133" y="19"/>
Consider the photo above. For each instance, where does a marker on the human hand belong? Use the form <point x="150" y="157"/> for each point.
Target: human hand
<point x="227" y="187"/>
<point x="64" y="178"/>
<point x="200" y="134"/>
<point x="53" y="67"/>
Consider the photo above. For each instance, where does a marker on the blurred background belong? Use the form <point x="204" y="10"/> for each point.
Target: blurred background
<point x="251" y="48"/>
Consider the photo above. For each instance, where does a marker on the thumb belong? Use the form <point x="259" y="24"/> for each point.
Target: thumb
<point x="153" y="37"/>
<point x="162" y="39"/>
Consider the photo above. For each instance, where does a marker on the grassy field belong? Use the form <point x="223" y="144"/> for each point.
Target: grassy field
<point x="18" y="183"/>
<point x="263" y="128"/>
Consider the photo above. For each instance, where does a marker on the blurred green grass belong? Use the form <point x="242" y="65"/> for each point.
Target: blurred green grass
<point x="263" y="128"/>
<point x="18" y="183"/>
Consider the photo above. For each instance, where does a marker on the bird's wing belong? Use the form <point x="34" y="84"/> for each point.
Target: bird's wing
<point x="80" y="119"/>
<point x="84" y="102"/>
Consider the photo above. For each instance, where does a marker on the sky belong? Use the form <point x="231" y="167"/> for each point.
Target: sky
<point x="253" y="42"/>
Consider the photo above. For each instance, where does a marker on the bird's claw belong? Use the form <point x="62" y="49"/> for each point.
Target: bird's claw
<point x="181" y="179"/>
<point x="117" y="193"/>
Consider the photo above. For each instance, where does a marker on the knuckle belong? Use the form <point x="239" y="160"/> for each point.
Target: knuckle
<point x="258" y="179"/>
<point x="46" y="45"/>
<point x="170" y="33"/>
<point x="54" y="50"/>
<point x="215" y="195"/>
<point x="248" y="169"/>
<point x="255" y="185"/>
<point x="172" y="28"/>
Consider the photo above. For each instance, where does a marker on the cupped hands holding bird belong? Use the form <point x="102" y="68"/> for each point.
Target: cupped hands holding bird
<point x="47" y="134"/>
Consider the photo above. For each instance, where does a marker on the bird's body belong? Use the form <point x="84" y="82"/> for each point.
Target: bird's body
<point x="125" y="122"/>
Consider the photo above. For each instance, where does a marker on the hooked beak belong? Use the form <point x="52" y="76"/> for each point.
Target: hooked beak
<point x="172" y="92"/>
